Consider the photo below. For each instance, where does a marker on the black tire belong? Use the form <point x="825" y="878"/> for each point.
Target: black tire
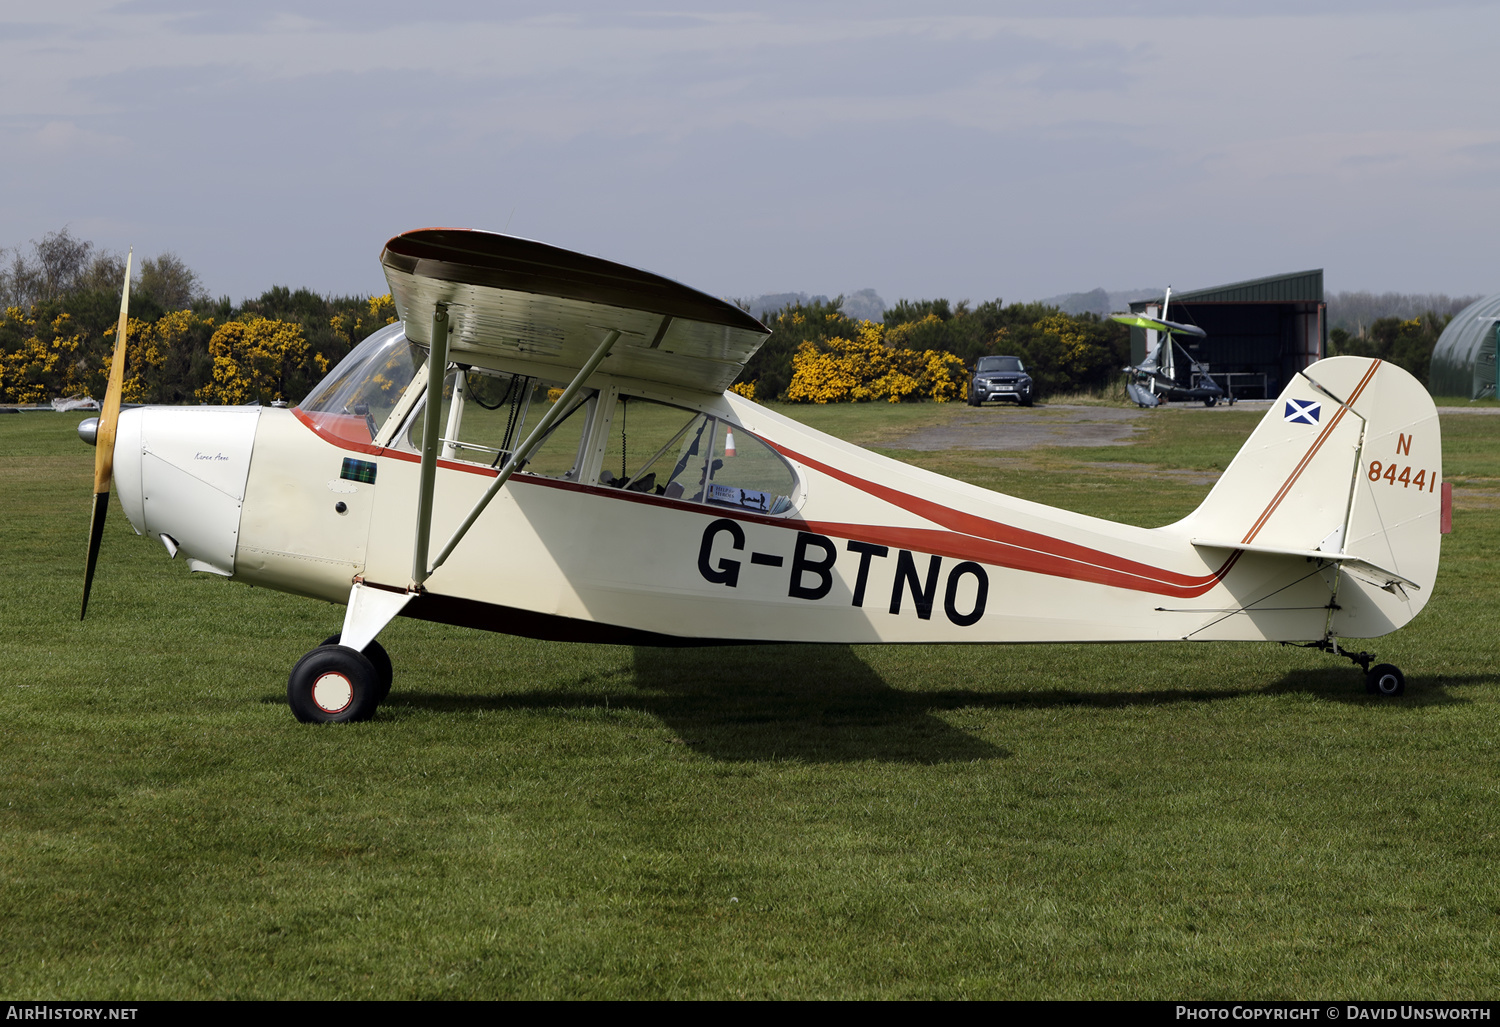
<point x="1209" y="401"/>
<point x="385" y="671"/>
<point x="973" y="400"/>
<point x="1026" y="402"/>
<point x="1385" y="679"/>
<point x="332" y="685"/>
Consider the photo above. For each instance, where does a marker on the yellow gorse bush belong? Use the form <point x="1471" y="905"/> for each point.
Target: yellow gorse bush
<point x="899" y="335"/>
<point x="146" y="344"/>
<point x="29" y="373"/>
<point x="53" y="349"/>
<point x="1077" y="357"/>
<point x="866" y="367"/>
<point x="39" y="369"/>
<point x="142" y="351"/>
<point x="379" y="311"/>
<point x="252" y="359"/>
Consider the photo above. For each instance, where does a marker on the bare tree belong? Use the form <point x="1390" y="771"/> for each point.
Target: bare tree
<point x="170" y="282"/>
<point x="57" y="265"/>
<point x="61" y="261"/>
<point x="105" y="272"/>
<point x="1355" y="312"/>
<point x="8" y="296"/>
<point x="20" y="280"/>
<point x="61" y="264"/>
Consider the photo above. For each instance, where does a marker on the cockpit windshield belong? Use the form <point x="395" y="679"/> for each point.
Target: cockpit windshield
<point x="360" y="393"/>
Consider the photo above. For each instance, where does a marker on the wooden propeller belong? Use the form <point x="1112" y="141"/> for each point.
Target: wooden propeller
<point x="104" y="441"/>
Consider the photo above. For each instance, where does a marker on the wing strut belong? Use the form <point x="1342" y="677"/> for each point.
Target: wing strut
<point x="432" y="416"/>
<point x="421" y="570"/>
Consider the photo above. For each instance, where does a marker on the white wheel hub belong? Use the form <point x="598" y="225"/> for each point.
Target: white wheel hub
<point x="333" y="692"/>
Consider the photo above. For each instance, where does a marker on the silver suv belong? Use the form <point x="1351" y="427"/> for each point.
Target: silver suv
<point x="997" y="378"/>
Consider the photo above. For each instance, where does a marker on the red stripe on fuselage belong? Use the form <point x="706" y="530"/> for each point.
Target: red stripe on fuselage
<point x="1063" y="559"/>
<point x="1001" y="554"/>
<point x="969" y="536"/>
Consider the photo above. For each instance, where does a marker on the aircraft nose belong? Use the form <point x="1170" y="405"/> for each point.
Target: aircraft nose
<point x="180" y="472"/>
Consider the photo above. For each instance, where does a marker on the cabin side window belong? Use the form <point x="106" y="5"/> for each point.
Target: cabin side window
<point x="748" y="474"/>
<point x="661" y="450"/>
<point x="487" y="415"/>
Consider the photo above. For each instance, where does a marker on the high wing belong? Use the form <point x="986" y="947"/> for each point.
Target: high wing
<point x="1170" y="327"/>
<point x="514" y="301"/>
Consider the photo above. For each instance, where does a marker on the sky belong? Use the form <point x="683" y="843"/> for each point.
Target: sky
<point x="963" y="150"/>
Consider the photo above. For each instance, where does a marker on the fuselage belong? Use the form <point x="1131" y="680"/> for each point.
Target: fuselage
<point x="857" y="548"/>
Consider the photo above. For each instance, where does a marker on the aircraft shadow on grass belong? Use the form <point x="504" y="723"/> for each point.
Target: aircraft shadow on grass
<point x="1343" y="685"/>
<point x="816" y="704"/>
<point x="822" y="704"/>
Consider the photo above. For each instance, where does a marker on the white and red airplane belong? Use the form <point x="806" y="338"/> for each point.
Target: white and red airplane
<point x="583" y="474"/>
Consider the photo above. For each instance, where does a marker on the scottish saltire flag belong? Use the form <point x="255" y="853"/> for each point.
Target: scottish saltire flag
<point x="1302" y="411"/>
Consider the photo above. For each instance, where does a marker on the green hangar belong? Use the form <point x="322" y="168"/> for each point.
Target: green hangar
<point x="1463" y="361"/>
<point x="1260" y="332"/>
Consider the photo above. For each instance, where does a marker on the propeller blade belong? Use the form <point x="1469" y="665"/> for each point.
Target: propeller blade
<point x="96" y="533"/>
<point x="104" y="441"/>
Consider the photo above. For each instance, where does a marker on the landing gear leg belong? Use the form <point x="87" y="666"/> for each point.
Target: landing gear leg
<point x="1384" y="679"/>
<point x="336" y="683"/>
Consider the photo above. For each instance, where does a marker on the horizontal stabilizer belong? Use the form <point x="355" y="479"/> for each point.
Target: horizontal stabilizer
<point x="1363" y="569"/>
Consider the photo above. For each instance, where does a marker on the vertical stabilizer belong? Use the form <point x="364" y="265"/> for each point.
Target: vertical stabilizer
<point x="1348" y="461"/>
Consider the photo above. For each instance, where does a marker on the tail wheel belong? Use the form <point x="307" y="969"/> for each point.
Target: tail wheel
<point x="385" y="673"/>
<point x="1385" y="679"/>
<point x="332" y="685"/>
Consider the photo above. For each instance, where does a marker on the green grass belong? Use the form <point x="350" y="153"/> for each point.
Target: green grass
<point x="1465" y="401"/>
<point x="529" y="819"/>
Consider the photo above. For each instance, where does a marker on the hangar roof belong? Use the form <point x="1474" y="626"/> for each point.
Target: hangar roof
<point x="1464" y="348"/>
<point x="1292" y="287"/>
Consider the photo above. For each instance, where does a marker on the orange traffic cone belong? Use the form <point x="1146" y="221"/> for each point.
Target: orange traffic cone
<point x="728" y="442"/>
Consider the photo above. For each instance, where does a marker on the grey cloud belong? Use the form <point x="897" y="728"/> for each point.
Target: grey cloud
<point x="797" y="147"/>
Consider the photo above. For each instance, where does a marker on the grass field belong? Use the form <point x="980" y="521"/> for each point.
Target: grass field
<point x="528" y="819"/>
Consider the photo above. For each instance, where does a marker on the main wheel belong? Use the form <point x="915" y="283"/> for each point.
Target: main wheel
<point x="1209" y="401"/>
<point x="385" y="673"/>
<point x="332" y="685"/>
<point x="1385" y="679"/>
